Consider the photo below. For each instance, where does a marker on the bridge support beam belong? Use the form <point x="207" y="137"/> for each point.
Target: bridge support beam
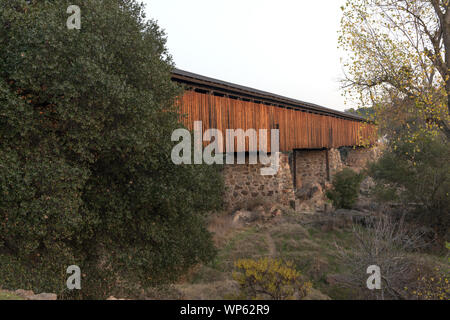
<point x="327" y="163"/>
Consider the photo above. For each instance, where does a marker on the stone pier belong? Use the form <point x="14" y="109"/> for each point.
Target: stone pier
<point x="300" y="185"/>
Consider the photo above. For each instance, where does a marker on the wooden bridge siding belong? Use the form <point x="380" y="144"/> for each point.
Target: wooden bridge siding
<point x="298" y="130"/>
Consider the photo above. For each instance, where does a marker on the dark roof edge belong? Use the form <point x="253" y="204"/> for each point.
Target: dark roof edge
<point x="189" y="77"/>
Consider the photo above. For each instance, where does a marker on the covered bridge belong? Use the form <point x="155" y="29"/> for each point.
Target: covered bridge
<point x="223" y="105"/>
<point x="311" y="138"/>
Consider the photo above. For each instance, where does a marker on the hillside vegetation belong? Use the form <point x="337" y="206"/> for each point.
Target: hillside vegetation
<point x="85" y="153"/>
<point x="309" y="241"/>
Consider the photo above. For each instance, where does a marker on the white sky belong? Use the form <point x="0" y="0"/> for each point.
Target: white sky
<point x="287" y="47"/>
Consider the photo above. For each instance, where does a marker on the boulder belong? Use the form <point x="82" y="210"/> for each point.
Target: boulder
<point x="367" y="186"/>
<point x="44" y="296"/>
<point x="328" y="186"/>
<point x="348" y="217"/>
<point x="277" y="213"/>
<point x="315" y="294"/>
<point x="262" y="213"/>
<point x="244" y="216"/>
<point x="332" y="279"/>
<point x="310" y="198"/>
<point x="26" y="294"/>
<point x="115" y="299"/>
<point x="309" y="191"/>
<point x="347" y="212"/>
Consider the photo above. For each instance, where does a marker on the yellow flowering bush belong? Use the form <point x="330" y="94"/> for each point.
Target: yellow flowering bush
<point x="432" y="287"/>
<point x="272" y="278"/>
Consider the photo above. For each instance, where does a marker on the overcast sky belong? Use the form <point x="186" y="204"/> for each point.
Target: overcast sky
<point x="287" y="47"/>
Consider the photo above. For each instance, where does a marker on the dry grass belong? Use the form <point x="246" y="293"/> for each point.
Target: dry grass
<point x="5" y="295"/>
<point x="221" y="226"/>
<point x="216" y="290"/>
<point x="297" y="238"/>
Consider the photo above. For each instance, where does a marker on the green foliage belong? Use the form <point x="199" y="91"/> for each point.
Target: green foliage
<point x="419" y="172"/>
<point x="408" y="85"/>
<point x="447" y="245"/>
<point x="270" y="277"/>
<point x="366" y="112"/>
<point x="346" y="184"/>
<point x="9" y="296"/>
<point x="385" y="69"/>
<point x="86" y="176"/>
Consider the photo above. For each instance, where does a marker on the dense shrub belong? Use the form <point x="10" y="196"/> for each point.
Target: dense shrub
<point x="447" y="245"/>
<point x="346" y="184"/>
<point x="417" y="172"/>
<point x="270" y="278"/>
<point x="85" y="171"/>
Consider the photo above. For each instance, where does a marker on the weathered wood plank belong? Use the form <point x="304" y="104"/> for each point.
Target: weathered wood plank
<point x="298" y="129"/>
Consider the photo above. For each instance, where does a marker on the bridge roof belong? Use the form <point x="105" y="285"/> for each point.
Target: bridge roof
<point x="224" y="87"/>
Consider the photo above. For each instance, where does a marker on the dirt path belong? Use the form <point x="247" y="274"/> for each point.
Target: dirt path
<point x="271" y="245"/>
